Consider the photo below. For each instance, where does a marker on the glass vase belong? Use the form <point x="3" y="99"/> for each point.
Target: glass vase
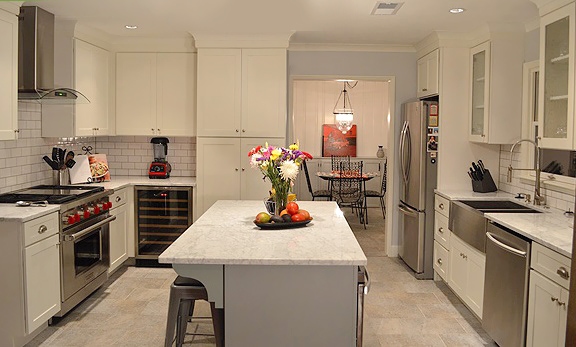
<point x="281" y="189"/>
<point x="380" y="153"/>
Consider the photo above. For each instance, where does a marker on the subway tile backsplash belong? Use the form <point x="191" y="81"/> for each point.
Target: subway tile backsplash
<point x="21" y="163"/>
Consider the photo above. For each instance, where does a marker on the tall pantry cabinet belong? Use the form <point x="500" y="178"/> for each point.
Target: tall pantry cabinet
<point x="8" y="72"/>
<point x="241" y="104"/>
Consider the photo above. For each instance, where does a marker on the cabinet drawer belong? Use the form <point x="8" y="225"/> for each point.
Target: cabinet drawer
<point x="40" y="228"/>
<point x="119" y="197"/>
<point x="441" y="231"/>
<point x="441" y="260"/>
<point x="442" y="205"/>
<point x="551" y="264"/>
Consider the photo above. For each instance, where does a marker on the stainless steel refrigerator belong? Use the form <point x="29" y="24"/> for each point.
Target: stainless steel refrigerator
<point x="419" y="140"/>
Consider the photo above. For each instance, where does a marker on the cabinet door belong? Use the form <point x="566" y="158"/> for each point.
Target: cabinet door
<point x="252" y="184"/>
<point x="479" y="99"/>
<point x="264" y="93"/>
<point x="135" y="93"/>
<point x="428" y="74"/>
<point x="91" y="78"/>
<point x="441" y="260"/>
<point x="556" y="108"/>
<point x="543" y="312"/>
<point x="219" y="92"/>
<point x="42" y="281"/>
<point x="475" y="265"/>
<point x="119" y="237"/>
<point x="8" y="76"/>
<point x="218" y="171"/>
<point x="176" y="94"/>
<point x="457" y="276"/>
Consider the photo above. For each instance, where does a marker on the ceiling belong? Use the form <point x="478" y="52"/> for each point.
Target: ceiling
<point x="312" y="21"/>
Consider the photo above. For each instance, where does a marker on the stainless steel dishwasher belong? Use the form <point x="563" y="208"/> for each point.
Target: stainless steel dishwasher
<point x="506" y="286"/>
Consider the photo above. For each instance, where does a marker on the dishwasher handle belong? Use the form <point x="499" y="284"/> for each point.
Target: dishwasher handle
<point x="505" y="246"/>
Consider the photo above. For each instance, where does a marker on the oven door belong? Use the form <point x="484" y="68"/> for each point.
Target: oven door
<point x="85" y="254"/>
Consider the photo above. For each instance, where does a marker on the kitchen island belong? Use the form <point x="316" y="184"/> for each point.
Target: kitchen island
<point x="290" y="287"/>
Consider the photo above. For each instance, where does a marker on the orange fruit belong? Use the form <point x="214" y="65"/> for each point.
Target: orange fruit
<point x="284" y="211"/>
<point x="298" y="217"/>
<point x="305" y="214"/>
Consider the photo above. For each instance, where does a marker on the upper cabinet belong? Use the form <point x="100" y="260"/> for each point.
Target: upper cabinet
<point x="242" y="92"/>
<point x="155" y="94"/>
<point x="556" y="103"/>
<point x="495" y="111"/>
<point x="92" y="71"/>
<point x="8" y="75"/>
<point x="428" y="74"/>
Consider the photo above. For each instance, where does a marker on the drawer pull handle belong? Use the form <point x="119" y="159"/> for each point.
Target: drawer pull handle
<point x="42" y="229"/>
<point x="441" y="206"/>
<point x="562" y="272"/>
<point x="118" y="199"/>
<point x="439" y="261"/>
<point x="441" y="229"/>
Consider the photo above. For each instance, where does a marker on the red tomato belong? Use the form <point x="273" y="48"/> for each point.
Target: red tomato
<point x="298" y="217"/>
<point x="305" y="214"/>
<point x="292" y="208"/>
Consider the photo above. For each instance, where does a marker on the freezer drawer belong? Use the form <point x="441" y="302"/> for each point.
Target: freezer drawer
<point x="412" y="225"/>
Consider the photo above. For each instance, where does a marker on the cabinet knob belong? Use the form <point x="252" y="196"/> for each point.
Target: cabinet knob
<point x="439" y="261"/>
<point x="16" y="131"/>
<point x="553" y="299"/>
<point x="42" y="229"/>
<point x="483" y="135"/>
<point x="560" y="303"/>
<point x="235" y="169"/>
<point x="562" y="272"/>
<point x="243" y="169"/>
<point x="441" y="206"/>
<point x="152" y="130"/>
<point x="243" y="130"/>
<point x="158" y="131"/>
<point x="441" y="229"/>
<point x="118" y="199"/>
<point x="237" y="130"/>
<point x="424" y="89"/>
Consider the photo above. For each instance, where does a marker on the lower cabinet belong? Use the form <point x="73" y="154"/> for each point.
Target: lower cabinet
<point x="441" y="260"/>
<point x="120" y="229"/>
<point x="466" y="275"/>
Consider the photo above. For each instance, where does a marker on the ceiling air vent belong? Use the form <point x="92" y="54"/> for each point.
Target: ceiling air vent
<point x="386" y="8"/>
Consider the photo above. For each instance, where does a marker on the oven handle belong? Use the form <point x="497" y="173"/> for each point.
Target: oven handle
<point x="79" y="234"/>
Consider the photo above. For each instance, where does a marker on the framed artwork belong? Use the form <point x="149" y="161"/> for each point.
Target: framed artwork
<point x="336" y="143"/>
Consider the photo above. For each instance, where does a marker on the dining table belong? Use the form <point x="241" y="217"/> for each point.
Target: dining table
<point x="336" y="175"/>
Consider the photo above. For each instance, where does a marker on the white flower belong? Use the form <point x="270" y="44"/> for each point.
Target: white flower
<point x="254" y="162"/>
<point x="289" y="170"/>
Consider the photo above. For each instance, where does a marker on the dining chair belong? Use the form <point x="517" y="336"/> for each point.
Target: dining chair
<point x="377" y="194"/>
<point x="348" y="189"/>
<point x="321" y="193"/>
<point x="336" y="160"/>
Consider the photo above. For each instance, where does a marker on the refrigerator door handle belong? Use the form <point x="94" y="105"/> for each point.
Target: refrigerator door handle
<point x="402" y="148"/>
<point x="407" y="211"/>
<point x="409" y="142"/>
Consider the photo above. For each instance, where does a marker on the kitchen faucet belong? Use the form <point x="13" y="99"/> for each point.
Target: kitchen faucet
<point x="538" y="198"/>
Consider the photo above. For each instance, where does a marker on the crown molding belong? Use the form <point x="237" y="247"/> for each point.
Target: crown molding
<point x="93" y="36"/>
<point x="160" y="44"/>
<point x="11" y="6"/>
<point x="321" y="47"/>
<point x="242" y="41"/>
<point x="547" y="6"/>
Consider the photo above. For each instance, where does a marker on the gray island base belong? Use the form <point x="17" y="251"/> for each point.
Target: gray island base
<point x="289" y="287"/>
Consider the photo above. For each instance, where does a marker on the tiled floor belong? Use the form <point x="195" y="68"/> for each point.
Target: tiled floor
<point x="130" y="309"/>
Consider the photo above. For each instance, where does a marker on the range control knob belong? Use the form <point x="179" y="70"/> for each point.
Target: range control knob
<point x="96" y="209"/>
<point x="71" y="219"/>
<point x="86" y="214"/>
<point x="77" y="218"/>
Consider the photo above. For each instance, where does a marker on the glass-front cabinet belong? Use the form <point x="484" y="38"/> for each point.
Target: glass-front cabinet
<point x="556" y="104"/>
<point x="480" y="63"/>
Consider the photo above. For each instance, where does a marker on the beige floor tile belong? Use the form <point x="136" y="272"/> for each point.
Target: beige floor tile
<point x="466" y="340"/>
<point x="408" y="326"/>
<point x="411" y="340"/>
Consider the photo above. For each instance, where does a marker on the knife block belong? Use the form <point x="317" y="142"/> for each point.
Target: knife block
<point x="486" y="185"/>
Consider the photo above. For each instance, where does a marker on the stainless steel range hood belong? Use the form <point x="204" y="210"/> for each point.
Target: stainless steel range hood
<point x="36" y="60"/>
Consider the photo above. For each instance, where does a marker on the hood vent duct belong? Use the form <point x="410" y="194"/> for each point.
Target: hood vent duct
<point x="36" y="60"/>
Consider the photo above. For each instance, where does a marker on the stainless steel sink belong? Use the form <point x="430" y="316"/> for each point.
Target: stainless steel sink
<point x="498" y="206"/>
<point x="468" y="222"/>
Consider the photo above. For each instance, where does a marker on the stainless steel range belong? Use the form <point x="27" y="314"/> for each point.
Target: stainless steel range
<point x="84" y="236"/>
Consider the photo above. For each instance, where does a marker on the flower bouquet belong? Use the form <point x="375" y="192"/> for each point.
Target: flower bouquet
<point x="281" y="166"/>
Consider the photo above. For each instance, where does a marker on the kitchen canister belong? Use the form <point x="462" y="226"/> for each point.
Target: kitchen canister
<point x="380" y="153"/>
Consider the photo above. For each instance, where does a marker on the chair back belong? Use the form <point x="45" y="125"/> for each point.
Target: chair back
<point x="336" y="160"/>
<point x="307" y="177"/>
<point x="384" y="173"/>
<point x="348" y="186"/>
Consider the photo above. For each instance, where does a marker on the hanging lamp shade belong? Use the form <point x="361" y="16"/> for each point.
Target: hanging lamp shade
<point x="345" y="115"/>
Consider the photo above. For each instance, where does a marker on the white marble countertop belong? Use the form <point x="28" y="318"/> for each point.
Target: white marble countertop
<point x="226" y="234"/>
<point x="13" y="213"/>
<point x="117" y="182"/>
<point x="551" y="228"/>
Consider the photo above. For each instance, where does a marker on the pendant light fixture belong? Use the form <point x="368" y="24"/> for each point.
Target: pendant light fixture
<point x="345" y="115"/>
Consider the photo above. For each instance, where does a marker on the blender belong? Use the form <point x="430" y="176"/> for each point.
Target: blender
<point x="159" y="168"/>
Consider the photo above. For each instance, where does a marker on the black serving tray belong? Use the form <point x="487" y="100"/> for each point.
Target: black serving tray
<point x="287" y="225"/>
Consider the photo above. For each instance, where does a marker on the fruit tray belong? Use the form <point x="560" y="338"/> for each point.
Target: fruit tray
<point x="287" y="225"/>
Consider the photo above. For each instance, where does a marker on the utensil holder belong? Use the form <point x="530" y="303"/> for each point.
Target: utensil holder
<point x="485" y="185"/>
<point x="61" y="177"/>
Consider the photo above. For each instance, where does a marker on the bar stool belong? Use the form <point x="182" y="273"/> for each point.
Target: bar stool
<point x="183" y="293"/>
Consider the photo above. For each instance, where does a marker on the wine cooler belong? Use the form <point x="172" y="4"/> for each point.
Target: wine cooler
<point x="162" y="215"/>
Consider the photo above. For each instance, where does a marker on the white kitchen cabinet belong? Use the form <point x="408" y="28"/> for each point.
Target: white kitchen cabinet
<point x="119" y="229"/>
<point x="30" y="267"/>
<point x="441" y="260"/>
<point x="155" y="94"/>
<point x="224" y="173"/>
<point x="466" y="275"/>
<point x="242" y="92"/>
<point x="556" y="96"/>
<point x="428" y="74"/>
<point x="495" y="112"/>
<point x="548" y="297"/>
<point x="547" y="312"/>
<point x="8" y="75"/>
<point x="92" y="71"/>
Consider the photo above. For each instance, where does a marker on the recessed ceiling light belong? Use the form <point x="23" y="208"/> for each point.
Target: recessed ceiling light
<point x="131" y="26"/>
<point x="457" y="10"/>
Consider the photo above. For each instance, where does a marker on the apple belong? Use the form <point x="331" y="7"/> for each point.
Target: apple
<point x="262" y="217"/>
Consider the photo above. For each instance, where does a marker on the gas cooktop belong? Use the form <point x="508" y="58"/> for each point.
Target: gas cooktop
<point x="51" y="194"/>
